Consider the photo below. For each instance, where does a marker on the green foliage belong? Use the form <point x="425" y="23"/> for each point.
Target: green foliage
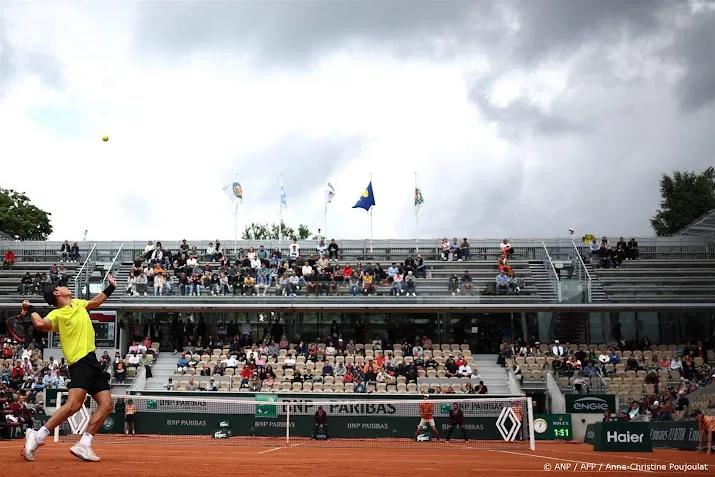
<point x="684" y="197"/>
<point x="19" y="218"/>
<point x="271" y="232"/>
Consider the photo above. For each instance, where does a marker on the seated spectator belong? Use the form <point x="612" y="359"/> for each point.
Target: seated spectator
<point x="8" y="259"/>
<point x="605" y="254"/>
<point x="453" y="284"/>
<point x="169" y="386"/>
<point x="676" y="364"/>
<point x="445" y="249"/>
<point x="74" y="252"/>
<point x="27" y="284"/>
<point x="502" y="283"/>
<point x="289" y="362"/>
<point x="613" y="357"/>
<point x="618" y="256"/>
<point x="503" y="264"/>
<point x="367" y="284"/>
<point x="182" y="364"/>
<point x="327" y="369"/>
<point x="514" y="284"/>
<point x="595" y="249"/>
<point x="211" y="386"/>
<point x="65" y="251"/>
<point x="633" y="253"/>
<point x="481" y="388"/>
<point x="141" y="283"/>
<point x="506" y="248"/>
<point x="455" y="250"/>
<point x="397" y="282"/>
<point x="120" y="373"/>
<point x="451" y="367"/>
<point x="420" y="268"/>
<point x="192" y="385"/>
<point x="465" y="249"/>
<point x="464" y="371"/>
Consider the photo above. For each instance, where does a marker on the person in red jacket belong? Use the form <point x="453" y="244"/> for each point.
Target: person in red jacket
<point x="19" y="409"/>
<point x="17" y="374"/>
<point x="9" y="259"/>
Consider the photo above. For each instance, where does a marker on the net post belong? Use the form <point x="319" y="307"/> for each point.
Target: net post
<point x="58" y="405"/>
<point x="287" y="405"/>
<point x="530" y="413"/>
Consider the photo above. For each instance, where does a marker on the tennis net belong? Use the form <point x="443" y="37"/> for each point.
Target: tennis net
<point x="269" y="420"/>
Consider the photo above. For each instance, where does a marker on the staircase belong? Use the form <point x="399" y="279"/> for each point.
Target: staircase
<point x="541" y="280"/>
<point x="493" y="375"/>
<point x="570" y="327"/>
<point x="163" y="369"/>
<point x="598" y="294"/>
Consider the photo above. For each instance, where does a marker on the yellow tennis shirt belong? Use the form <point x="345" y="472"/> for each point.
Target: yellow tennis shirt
<point x="75" y="328"/>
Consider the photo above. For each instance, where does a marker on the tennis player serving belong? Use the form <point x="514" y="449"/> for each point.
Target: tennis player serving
<point x="74" y="326"/>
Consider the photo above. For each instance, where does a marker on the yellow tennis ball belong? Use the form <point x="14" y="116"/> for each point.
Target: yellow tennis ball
<point x="105" y="138"/>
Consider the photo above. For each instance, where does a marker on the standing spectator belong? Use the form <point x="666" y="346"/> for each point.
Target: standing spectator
<point x="130" y="412"/>
<point x="456" y="419"/>
<point x="321" y="421"/>
<point x="8" y="260"/>
<point x="465" y="249"/>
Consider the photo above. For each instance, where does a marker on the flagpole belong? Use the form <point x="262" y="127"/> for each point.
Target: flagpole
<point x="417" y="223"/>
<point x="280" y="210"/>
<point x="325" y="212"/>
<point x="371" y="248"/>
<point x="235" y="226"/>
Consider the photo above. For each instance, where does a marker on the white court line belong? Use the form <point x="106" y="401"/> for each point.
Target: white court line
<point x="599" y="464"/>
<point x="623" y="456"/>
<point x="270" y="450"/>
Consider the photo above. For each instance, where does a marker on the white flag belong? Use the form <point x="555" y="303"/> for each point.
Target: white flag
<point x="234" y="192"/>
<point x="329" y="193"/>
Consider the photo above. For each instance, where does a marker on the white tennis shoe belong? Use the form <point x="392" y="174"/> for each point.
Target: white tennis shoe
<point x="84" y="452"/>
<point x="32" y="443"/>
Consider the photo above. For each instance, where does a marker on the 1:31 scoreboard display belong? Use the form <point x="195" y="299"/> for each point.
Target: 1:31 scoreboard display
<point x="553" y="427"/>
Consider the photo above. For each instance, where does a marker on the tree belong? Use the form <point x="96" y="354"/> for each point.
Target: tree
<point x="684" y="197"/>
<point x="20" y="218"/>
<point x="271" y="232"/>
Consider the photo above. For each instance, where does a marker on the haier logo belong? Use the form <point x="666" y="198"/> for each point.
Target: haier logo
<point x="615" y="436"/>
<point x="590" y="404"/>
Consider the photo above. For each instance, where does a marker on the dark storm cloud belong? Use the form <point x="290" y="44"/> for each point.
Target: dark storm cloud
<point x="694" y="48"/>
<point x="520" y="116"/>
<point x="302" y="160"/>
<point x="298" y="32"/>
<point x="15" y="62"/>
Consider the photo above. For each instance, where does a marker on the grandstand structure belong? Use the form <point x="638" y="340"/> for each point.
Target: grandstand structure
<point x="667" y="295"/>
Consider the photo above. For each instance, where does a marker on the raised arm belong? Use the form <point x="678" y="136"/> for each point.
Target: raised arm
<point x="102" y="297"/>
<point x="40" y="323"/>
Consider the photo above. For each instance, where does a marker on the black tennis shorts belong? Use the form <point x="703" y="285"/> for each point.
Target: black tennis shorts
<point x="87" y="374"/>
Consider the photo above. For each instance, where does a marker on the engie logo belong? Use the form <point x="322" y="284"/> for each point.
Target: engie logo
<point x="615" y="436"/>
<point x="590" y="404"/>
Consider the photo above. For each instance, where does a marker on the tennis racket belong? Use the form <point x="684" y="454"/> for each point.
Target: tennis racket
<point x="20" y="328"/>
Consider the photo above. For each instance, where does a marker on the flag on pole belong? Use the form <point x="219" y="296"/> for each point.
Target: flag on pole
<point x="366" y="200"/>
<point x="234" y="192"/>
<point x="329" y="193"/>
<point x="284" y="199"/>
<point x="418" y="199"/>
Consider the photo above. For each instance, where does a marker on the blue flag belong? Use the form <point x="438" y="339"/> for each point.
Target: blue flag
<point x="367" y="199"/>
<point x="284" y="198"/>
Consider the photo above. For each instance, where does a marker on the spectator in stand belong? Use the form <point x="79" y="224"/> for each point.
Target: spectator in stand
<point x="169" y="386"/>
<point x="65" y="251"/>
<point x="514" y="283"/>
<point x="333" y="250"/>
<point x="605" y="254"/>
<point x="595" y="249"/>
<point x="453" y="284"/>
<point x="410" y="284"/>
<point x="367" y="284"/>
<point x="464" y="371"/>
<point x="467" y="284"/>
<point x="27" y="284"/>
<point x="182" y="364"/>
<point x="502" y="283"/>
<point x="455" y="250"/>
<point x="465" y="249"/>
<point x="506" y="248"/>
<point x="397" y="283"/>
<point x="633" y="253"/>
<point x="619" y="255"/>
<point x="74" y="252"/>
<point x="420" y="268"/>
<point x="211" y="386"/>
<point x="293" y="252"/>
<point x="8" y="259"/>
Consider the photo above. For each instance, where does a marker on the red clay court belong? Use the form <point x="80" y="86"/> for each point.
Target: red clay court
<point x="55" y="460"/>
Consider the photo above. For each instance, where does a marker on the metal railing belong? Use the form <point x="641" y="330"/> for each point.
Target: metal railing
<point x="83" y="275"/>
<point x="116" y="262"/>
<point x="684" y="247"/>
<point x="514" y="384"/>
<point x="583" y="275"/>
<point x="553" y="275"/>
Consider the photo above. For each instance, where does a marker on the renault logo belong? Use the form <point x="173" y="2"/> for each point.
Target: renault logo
<point x="508" y="433"/>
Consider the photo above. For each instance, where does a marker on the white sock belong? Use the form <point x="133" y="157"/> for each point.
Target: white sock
<point x="42" y="434"/>
<point x="86" y="440"/>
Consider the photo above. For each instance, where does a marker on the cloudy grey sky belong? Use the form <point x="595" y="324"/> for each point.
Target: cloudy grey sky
<point x="522" y="118"/>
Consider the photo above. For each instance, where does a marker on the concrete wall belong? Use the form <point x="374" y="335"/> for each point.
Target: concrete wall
<point x="579" y="423"/>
